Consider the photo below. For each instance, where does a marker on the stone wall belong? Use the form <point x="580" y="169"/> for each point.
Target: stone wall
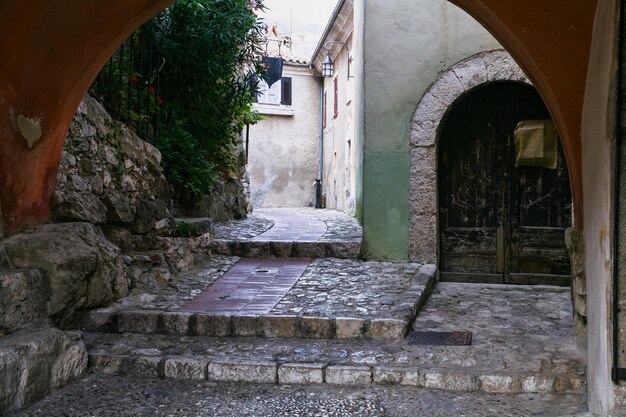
<point x="23" y="297"/>
<point x="50" y="275"/>
<point x="108" y="175"/>
<point x="81" y="268"/>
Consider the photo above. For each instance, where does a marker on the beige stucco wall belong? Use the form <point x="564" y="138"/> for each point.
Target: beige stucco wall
<point x="284" y="149"/>
<point x="339" y="138"/>
<point x="406" y="48"/>
<point x="598" y="133"/>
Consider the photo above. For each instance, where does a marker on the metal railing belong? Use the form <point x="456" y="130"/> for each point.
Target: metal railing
<point x="128" y="86"/>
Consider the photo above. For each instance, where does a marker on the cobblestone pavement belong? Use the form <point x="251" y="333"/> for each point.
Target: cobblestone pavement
<point x="109" y="396"/>
<point x="348" y="288"/>
<point x="339" y="226"/>
<point x="172" y="294"/>
<point x="245" y="229"/>
<point x="521" y="343"/>
<point x="532" y="324"/>
<point x="328" y="287"/>
<point x="291" y="228"/>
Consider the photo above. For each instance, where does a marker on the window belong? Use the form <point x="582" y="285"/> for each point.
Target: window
<point x="279" y="93"/>
<point x="336" y="102"/>
<point x="268" y="95"/>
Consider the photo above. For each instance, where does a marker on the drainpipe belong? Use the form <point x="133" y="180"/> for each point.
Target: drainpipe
<point x="617" y="373"/>
<point x="320" y="180"/>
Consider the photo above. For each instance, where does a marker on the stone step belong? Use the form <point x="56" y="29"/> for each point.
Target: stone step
<point x="333" y="362"/>
<point x="286" y="249"/>
<point x="152" y="322"/>
<point x="36" y="361"/>
<point x="332" y="299"/>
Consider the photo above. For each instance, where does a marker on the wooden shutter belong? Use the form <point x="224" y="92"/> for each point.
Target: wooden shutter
<point x="285" y="96"/>
<point x="336" y="104"/>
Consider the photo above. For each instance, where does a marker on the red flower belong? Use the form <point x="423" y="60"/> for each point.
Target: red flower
<point x="134" y="79"/>
<point x="152" y="90"/>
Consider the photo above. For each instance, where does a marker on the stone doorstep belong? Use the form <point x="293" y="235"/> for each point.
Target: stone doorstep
<point x="284" y="327"/>
<point x="286" y="249"/>
<point x="269" y="372"/>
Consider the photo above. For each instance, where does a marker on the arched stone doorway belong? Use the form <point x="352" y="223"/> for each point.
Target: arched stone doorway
<point x="470" y="75"/>
<point x="500" y="220"/>
<point x="462" y="77"/>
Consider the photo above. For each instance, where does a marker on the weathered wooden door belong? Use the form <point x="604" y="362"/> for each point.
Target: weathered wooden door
<point x="499" y="223"/>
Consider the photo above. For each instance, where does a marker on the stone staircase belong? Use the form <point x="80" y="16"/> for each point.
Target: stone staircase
<point x="305" y="361"/>
<point x="340" y="322"/>
<point x="285" y="233"/>
<point x="295" y="312"/>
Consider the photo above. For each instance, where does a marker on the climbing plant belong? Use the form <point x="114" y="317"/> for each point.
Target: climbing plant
<point x="211" y="50"/>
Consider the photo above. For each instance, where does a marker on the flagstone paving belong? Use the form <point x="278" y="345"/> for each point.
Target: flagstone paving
<point x="252" y="286"/>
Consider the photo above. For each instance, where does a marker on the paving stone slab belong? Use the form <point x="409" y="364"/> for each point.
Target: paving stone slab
<point x="233" y="370"/>
<point x="301" y="373"/>
<point x="185" y="369"/>
<point x="348" y="375"/>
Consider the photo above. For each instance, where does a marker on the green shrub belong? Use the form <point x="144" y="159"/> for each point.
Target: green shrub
<point x="186" y="164"/>
<point x="211" y="48"/>
<point x="184" y="229"/>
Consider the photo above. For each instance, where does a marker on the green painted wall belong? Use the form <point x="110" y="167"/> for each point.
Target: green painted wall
<point x="407" y="43"/>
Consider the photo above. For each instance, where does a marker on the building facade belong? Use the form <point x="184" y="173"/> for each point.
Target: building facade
<point x="283" y="148"/>
<point x="338" y="109"/>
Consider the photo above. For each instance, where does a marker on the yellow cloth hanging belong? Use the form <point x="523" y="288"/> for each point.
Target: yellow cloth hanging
<point x="536" y="143"/>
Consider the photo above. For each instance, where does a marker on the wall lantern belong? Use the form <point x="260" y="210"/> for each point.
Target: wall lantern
<point x="327" y="67"/>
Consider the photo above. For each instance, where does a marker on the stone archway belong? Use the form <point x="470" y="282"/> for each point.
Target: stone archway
<point x="462" y="77"/>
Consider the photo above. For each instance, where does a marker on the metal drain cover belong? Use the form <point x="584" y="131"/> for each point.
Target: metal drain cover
<point x="441" y="338"/>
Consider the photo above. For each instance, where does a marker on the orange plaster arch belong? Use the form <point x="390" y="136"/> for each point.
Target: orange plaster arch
<point x="51" y="51"/>
<point x="551" y="41"/>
